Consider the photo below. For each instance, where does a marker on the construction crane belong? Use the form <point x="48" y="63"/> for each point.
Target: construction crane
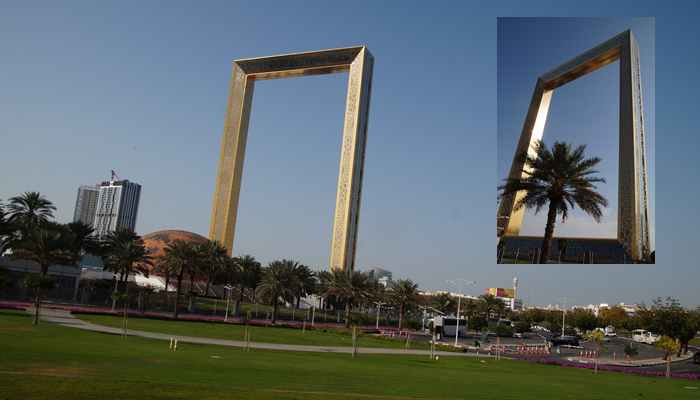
<point x="115" y="177"/>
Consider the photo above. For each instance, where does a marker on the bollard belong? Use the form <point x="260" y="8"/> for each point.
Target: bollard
<point x="170" y="347"/>
<point x="175" y="345"/>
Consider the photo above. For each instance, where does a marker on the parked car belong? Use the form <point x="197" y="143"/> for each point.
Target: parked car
<point x="565" y="340"/>
<point x="610" y="331"/>
<point x="644" y="336"/>
<point x="696" y="357"/>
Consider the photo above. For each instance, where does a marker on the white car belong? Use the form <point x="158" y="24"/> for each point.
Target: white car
<point x="610" y="331"/>
<point x="643" y="336"/>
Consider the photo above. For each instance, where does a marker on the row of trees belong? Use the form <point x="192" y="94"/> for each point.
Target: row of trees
<point x="665" y="317"/>
<point x="281" y="281"/>
<point x="28" y="232"/>
<point x="478" y="311"/>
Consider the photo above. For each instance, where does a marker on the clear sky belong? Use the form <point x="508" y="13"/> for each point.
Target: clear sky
<point x="141" y="88"/>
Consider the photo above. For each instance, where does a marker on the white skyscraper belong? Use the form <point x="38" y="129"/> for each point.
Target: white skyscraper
<point x="85" y="205"/>
<point x="117" y="206"/>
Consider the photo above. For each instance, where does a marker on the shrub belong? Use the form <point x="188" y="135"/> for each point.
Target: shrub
<point x="504" y="331"/>
<point x="522" y="327"/>
<point x="631" y="350"/>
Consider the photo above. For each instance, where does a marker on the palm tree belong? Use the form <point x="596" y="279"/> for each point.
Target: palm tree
<point x="404" y="294"/>
<point x="29" y="210"/>
<point x="83" y="240"/>
<point x="183" y="259"/>
<point x="46" y="244"/>
<point x="305" y="283"/>
<point x="469" y="309"/>
<point x="349" y="287"/>
<point x="164" y="268"/>
<point x="561" y="178"/>
<point x="279" y="281"/>
<point x="444" y="303"/>
<point x="124" y="254"/>
<point x="250" y="277"/>
<point x="215" y="261"/>
<point x="491" y="305"/>
<point x="6" y="229"/>
<point x="669" y="345"/>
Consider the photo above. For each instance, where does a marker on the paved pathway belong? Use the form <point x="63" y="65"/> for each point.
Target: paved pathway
<point x="65" y="318"/>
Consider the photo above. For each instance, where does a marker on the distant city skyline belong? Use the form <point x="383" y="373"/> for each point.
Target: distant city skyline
<point x="141" y="88"/>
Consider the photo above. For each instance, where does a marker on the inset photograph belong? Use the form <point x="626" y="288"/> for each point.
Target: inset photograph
<point x="575" y="169"/>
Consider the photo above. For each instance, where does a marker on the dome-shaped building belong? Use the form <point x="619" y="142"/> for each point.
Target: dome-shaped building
<point x="156" y="242"/>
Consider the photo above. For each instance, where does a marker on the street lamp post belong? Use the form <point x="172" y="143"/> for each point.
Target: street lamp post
<point x="228" y="300"/>
<point x="563" y="318"/>
<point x="379" y="306"/>
<point x="459" y="303"/>
<point x="459" y="284"/>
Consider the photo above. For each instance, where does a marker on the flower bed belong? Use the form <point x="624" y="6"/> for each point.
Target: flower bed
<point x="612" y="368"/>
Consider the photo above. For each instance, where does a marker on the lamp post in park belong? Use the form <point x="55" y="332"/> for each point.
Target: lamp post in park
<point x="379" y="306"/>
<point x="228" y="289"/>
<point x="459" y="283"/>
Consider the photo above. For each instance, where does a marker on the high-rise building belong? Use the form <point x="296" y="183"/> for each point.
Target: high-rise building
<point x="117" y="206"/>
<point x="380" y="274"/>
<point x="85" y="205"/>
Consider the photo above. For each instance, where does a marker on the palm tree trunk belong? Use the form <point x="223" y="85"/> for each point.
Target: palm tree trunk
<point x="177" y="294"/>
<point x="274" y="308"/>
<point x="347" y="314"/>
<point x="189" y="295"/>
<point x="37" y="293"/>
<point x="548" y="232"/>
<point x="237" y="313"/>
<point x="114" y="293"/>
<point x="401" y="317"/>
<point x="167" y="294"/>
<point x="37" y="304"/>
<point x="206" y="290"/>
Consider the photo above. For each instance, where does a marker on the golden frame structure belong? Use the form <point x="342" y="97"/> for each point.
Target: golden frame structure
<point x="359" y="63"/>
<point x="633" y="206"/>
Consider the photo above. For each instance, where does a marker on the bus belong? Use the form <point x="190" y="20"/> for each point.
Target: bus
<point x="447" y="326"/>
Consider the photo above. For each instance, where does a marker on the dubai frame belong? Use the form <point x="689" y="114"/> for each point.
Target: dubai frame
<point x="358" y="61"/>
<point x="633" y="206"/>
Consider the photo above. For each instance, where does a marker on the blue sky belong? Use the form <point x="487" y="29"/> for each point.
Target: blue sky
<point x="585" y="111"/>
<point x="141" y="88"/>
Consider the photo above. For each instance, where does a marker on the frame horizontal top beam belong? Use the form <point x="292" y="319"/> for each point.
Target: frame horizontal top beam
<point x="298" y="64"/>
<point x="587" y="62"/>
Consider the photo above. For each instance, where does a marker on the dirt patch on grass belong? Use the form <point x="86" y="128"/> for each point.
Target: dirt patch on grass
<point x="16" y="328"/>
<point x="57" y="372"/>
<point x="343" y="395"/>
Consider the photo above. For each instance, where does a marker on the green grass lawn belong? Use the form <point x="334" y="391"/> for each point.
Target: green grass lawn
<point x="50" y="361"/>
<point x="695" y="342"/>
<point x="316" y="337"/>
